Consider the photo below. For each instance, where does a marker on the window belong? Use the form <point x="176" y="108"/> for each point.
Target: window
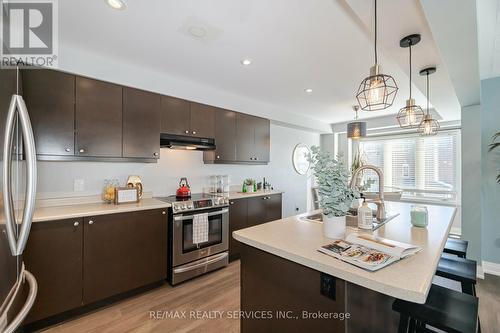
<point x="425" y="168"/>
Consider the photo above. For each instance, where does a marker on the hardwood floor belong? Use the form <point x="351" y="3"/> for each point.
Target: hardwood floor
<point x="488" y="291"/>
<point x="218" y="291"/>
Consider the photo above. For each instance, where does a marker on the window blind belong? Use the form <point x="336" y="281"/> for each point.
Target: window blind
<point x="421" y="166"/>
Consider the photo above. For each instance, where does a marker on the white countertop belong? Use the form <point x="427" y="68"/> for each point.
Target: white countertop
<point x="409" y="279"/>
<point x="75" y="209"/>
<point x="260" y="193"/>
<point x="91" y="209"/>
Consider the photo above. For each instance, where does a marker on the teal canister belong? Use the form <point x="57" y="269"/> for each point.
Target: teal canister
<point x="419" y="216"/>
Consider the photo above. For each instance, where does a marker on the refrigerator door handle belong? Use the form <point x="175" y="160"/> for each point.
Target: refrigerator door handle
<point x="8" y="202"/>
<point x="30" y="300"/>
<point x="31" y="175"/>
<point x="17" y="244"/>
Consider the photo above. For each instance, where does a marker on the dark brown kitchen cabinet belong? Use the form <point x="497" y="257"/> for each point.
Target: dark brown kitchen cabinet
<point x="264" y="209"/>
<point x="50" y="99"/>
<point x="238" y="210"/>
<point x="141" y="123"/>
<point x="122" y="252"/>
<point x="202" y="120"/>
<point x="54" y="256"/>
<point x="182" y="117"/>
<point x="175" y="116"/>
<point x="252" y="139"/>
<point x="98" y="118"/>
<point x="225" y="138"/>
<point x="273" y="207"/>
<point x="262" y="141"/>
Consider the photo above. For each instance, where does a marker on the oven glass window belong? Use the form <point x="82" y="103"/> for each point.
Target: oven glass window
<point x="214" y="234"/>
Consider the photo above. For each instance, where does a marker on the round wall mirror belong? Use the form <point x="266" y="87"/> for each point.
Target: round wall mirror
<point x="300" y="158"/>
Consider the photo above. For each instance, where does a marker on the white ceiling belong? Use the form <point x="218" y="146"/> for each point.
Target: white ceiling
<point x="488" y="13"/>
<point x="325" y="45"/>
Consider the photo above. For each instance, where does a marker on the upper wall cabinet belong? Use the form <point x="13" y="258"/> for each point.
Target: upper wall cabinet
<point x="225" y="138"/>
<point x="175" y="116"/>
<point x="202" y="120"/>
<point x="98" y="118"/>
<point x="141" y="123"/>
<point x="50" y="99"/>
<point x="182" y="117"/>
<point x="252" y="139"/>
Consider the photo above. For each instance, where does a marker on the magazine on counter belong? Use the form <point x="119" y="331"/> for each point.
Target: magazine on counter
<point x="368" y="252"/>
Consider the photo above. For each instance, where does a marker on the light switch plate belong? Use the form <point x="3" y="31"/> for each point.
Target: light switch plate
<point x="79" y="185"/>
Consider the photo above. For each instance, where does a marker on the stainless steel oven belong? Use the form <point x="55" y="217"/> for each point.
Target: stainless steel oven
<point x="187" y="259"/>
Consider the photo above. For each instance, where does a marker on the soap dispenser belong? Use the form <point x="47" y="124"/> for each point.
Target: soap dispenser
<point x="365" y="216"/>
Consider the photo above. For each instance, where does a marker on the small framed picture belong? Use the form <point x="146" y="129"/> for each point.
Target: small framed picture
<point x="126" y="195"/>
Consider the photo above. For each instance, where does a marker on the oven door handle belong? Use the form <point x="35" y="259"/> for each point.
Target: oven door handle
<point x="189" y="217"/>
<point x="214" y="259"/>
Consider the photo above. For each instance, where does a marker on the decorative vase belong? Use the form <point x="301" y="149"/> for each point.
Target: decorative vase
<point x="334" y="226"/>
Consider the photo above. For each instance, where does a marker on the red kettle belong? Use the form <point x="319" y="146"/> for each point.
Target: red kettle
<point x="183" y="191"/>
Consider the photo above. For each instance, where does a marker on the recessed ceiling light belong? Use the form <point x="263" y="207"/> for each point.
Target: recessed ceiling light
<point x="308" y="90"/>
<point x="117" y="4"/>
<point x="246" y="62"/>
<point x="198" y="32"/>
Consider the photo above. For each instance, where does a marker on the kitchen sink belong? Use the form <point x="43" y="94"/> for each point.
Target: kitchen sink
<point x="351" y="220"/>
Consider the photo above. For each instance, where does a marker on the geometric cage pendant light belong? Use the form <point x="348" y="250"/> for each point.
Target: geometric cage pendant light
<point x="429" y="125"/>
<point x="356" y="129"/>
<point x="411" y="115"/>
<point x="377" y="91"/>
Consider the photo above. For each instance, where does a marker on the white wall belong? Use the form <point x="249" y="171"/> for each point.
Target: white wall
<point x="56" y="179"/>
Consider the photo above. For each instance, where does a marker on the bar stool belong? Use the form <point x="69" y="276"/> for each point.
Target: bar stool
<point x="445" y="309"/>
<point x="456" y="246"/>
<point x="459" y="269"/>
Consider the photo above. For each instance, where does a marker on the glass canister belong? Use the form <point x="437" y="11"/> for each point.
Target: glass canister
<point x="108" y="191"/>
<point x="419" y="216"/>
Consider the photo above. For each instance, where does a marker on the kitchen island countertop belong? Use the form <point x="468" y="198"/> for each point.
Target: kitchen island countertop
<point x="297" y="240"/>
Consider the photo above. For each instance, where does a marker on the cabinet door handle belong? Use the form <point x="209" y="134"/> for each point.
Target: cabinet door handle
<point x="194" y="132"/>
<point x="81" y="150"/>
<point x="67" y="150"/>
<point x="155" y="154"/>
<point x="76" y="224"/>
<point x="91" y="222"/>
<point x="231" y="202"/>
<point x="186" y="131"/>
<point x="218" y="156"/>
<point x="163" y="213"/>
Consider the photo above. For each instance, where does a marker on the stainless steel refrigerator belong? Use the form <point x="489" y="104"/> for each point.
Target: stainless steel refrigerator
<point x="18" y="287"/>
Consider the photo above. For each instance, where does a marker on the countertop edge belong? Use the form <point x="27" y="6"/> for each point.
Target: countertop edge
<point x="416" y="297"/>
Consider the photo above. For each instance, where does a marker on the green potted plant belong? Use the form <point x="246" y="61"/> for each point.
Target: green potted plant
<point x="335" y="195"/>
<point x="249" y="185"/>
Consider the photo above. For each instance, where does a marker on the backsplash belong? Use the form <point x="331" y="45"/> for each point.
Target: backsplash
<point x="56" y="179"/>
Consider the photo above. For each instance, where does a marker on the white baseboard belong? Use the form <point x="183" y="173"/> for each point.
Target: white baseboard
<point x="480" y="272"/>
<point x="491" y="268"/>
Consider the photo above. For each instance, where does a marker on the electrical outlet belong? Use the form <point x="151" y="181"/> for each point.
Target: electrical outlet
<point x="79" y="185"/>
<point x="327" y="286"/>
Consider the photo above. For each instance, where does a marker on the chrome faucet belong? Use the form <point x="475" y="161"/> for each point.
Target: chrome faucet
<point x="381" y="216"/>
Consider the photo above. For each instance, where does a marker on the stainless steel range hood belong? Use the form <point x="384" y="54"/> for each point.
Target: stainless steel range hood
<point x="186" y="142"/>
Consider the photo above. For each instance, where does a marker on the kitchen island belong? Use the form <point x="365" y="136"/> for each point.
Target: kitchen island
<point x="287" y="285"/>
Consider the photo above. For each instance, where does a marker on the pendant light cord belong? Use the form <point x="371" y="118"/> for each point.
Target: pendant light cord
<point x="410" y="69"/>
<point x="427" y="92"/>
<point x="376" y="58"/>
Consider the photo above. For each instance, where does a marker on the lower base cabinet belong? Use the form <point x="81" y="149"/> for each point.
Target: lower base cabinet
<point x="122" y="252"/>
<point x="54" y="256"/>
<point x="81" y="261"/>
<point x="248" y="212"/>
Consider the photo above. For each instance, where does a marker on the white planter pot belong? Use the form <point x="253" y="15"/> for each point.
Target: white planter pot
<point x="334" y="226"/>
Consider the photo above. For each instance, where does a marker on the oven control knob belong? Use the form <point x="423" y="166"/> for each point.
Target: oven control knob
<point x="183" y="206"/>
<point x="190" y="206"/>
